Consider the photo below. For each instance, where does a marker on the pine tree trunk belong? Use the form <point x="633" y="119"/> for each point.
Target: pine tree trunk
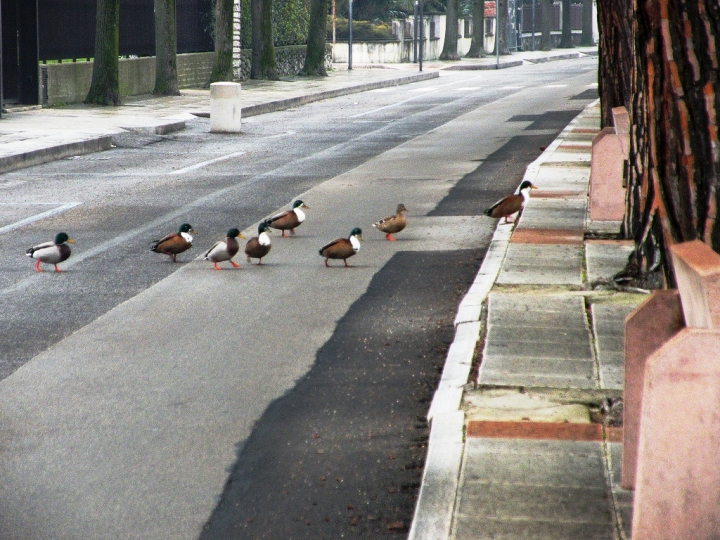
<point x="105" y="85"/>
<point x="502" y="29"/>
<point x="223" y="63"/>
<point x="616" y="57"/>
<point x="477" y="45"/>
<point x="315" y="50"/>
<point x="449" y="51"/>
<point x="268" y="67"/>
<point x="587" y="24"/>
<point x="673" y="191"/>
<point x="166" y="83"/>
<point x="545" y="37"/>
<point x="566" y="38"/>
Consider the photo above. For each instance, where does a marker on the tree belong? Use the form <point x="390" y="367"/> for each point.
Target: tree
<point x="616" y="57"/>
<point x="315" y="49"/>
<point x="262" y="60"/>
<point x="587" y="24"/>
<point x="545" y="36"/>
<point x="223" y="63"/>
<point x="502" y="26"/>
<point x="566" y="38"/>
<point x="449" y="51"/>
<point x="105" y="85"/>
<point x="166" y="82"/>
<point x="477" y="45"/>
<point x="673" y="191"/>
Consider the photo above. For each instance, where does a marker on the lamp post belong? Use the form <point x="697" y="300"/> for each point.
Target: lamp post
<point x="415" y="32"/>
<point x="422" y="34"/>
<point x="533" y="25"/>
<point x="349" y="35"/>
<point x="497" y="34"/>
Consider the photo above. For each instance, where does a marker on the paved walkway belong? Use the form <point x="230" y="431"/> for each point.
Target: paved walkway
<point x="532" y="449"/>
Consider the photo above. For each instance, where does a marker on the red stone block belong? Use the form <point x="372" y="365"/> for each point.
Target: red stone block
<point x="607" y="195"/>
<point x="697" y="271"/>
<point x="547" y="236"/>
<point x="556" y="431"/>
<point x="621" y="120"/>
<point x="647" y="328"/>
<point x="677" y="494"/>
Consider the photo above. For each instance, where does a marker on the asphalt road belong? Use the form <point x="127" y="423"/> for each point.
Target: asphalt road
<point x="145" y="399"/>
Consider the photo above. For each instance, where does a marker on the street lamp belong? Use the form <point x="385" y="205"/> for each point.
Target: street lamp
<point x="415" y="32"/>
<point x="422" y="34"/>
<point x="349" y="35"/>
<point x="497" y="34"/>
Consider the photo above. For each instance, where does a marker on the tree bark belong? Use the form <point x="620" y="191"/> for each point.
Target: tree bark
<point x="673" y="193"/>
<point x="105" y="85"/>
<point x="268" y="66"/>
<point x="315" y="50"/>
<point x="566" y="38"/>
<point x="166" y="82"/>
<point x="449" y="51"/>
<point x="587" y="24"/>
<point x="477" y="44"/>
<point x="502" y="29"/>
<point x="616" y="57"/>
<point x="223" y="63"/>
<point x="545" y="37"/>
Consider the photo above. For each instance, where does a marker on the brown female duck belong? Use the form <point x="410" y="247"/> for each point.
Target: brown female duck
<point x="393" y="224"/>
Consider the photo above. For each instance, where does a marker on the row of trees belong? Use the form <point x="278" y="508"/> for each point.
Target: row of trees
<point x="659" y="59"/>
<point x="105" y="85"/>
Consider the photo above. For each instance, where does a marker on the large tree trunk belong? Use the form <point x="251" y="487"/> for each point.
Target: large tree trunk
<point x="315" y="50"/>
<point x="268" y="67"/>
<point x="673" y="193"/>
<point x="477" y="45"/>
<point x="545" y="17"/>
<point x="502" y="29"/>
<point x="587" y="24"/>
<point x="166" y="83"/>
<point x="566" y="38"/>
<point x="449" y="51"/>
<point x="105" y="85"/>
<point x="223" y="64"/>
<point x="616" y="57"/>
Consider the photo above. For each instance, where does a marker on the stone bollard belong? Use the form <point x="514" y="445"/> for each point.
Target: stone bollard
<point x="607" y="161"/>
<point x="647" y="328"/>
<point x="677" y="482"/>
<point x="225" y="109"/>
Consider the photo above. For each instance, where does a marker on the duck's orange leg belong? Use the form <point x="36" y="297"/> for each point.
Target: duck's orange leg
<point x="390" y="237"/>
<point x="37" y="266"/>
<point x="215" y="266"/>
<point x="235" y="265"/>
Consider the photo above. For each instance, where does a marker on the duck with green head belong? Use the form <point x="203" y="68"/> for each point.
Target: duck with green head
<point x="53" y="252"/>
<point x="224" y="250"/>
<point x="259" y="246"/>
<point x="289" y="219"/>
<point x="342" y="248"/>
<point x="175" y="243"/>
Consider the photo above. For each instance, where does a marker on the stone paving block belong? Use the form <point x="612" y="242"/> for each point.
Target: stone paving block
<point x="623" y="497"/>
<point x="537" y="372"/>
<point x="470" y="528"/>
<point x="553" y="214"/>
<point x="547" y="350"/>
<point x="605" y="258"/>
<point x="534" y="333"/>
<point x="563" y="312"/>
<point x="608" y="328"/>
<point x="527" y="264"/>
<point x="562" y="178"/>
<point x="499" y="377"/>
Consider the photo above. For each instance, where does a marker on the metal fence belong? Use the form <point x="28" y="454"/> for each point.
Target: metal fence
<point x="67" y="28"/>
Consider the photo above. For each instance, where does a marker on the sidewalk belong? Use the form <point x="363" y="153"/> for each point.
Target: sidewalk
<point x="35" y="136"/>
<point x="531" y="448"/>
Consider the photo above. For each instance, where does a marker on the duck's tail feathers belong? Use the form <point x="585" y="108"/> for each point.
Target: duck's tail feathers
<point x="29" y="252"/>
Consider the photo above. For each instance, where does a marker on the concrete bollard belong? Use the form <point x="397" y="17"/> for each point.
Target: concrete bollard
<point x="225" y="107"/>
<point x="677" y="481"/>
<point x="647" y="328"/>
<point x="677" y="495"/>
<point x="607" y="194"/>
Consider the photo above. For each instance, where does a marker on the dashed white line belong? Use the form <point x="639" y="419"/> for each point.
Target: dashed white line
<point x="63" y="207"/>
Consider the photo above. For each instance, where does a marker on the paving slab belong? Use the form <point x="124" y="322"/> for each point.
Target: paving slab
<point x="528" y="264"/>
<point x="605" y="258"/>
<point x="608" y="321"/>
<point x="553" y="214"/>
<point x="517" y="489"/>
<point x="503" y="404"/>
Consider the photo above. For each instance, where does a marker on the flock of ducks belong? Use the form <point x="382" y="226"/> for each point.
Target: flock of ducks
<point x="259" y="246"/>
<point x="223" y="250"/>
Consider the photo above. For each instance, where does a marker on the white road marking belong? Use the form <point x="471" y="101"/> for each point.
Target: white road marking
<point x="206" y="163"/>
<point x="511" y="87"/>
<point x="57" y="210"/>
<point x="5" y="185"/>
<point x="555" y="85"/>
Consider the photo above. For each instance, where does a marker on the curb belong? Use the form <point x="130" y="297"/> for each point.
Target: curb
<point x="434" y="510"/>
<point x="282" y="104"/>
<point x="474" y="67"/>
<point x="53" y="153"/>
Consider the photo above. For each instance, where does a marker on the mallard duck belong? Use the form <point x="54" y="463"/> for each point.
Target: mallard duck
<point x="259" y="246"/>
<point x="53" y="252"/>
<point x="224" y="250"/>
<point x="175" y="243"/>
<point x="511" y="204"/>
<point x="342" y="248"/>
<point x="393" y="224"/>
<point x="289" y="219"/>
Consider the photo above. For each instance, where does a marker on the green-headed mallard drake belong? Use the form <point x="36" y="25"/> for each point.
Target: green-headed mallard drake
<point x="224" y="250"/>
<point x="511" y="204"/>
<point x="393" y="224"/>
<point x="342" y="248"/>
<point x="259" y="246"/>
<point x="53" y="252"/>
<point x="175" y="243"/>
<point x="289" y="219"/>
